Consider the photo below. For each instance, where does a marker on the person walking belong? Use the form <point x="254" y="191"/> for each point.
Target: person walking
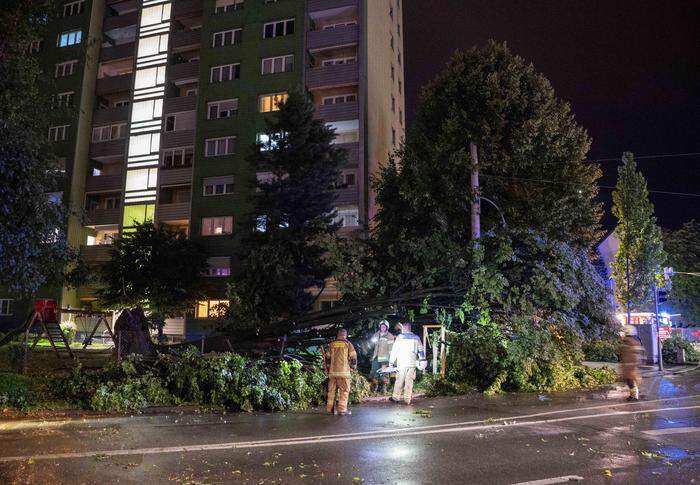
<point x="383" y="341"/>
<point x="341" y="361"/>
<point x="630" y="354"/>
<point x="407" y="353"/>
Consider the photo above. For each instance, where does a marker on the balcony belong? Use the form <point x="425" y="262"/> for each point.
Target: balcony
<point x="102" y="217"/>
<point x="185" y="71"/>
<point x="112" y="148"/>
<point x="120" y="21"/>
<point x="185" y="38"/>
<point x="114" y="84"/>
<point x="174" y="139"/>
<point x="338" y="112"/>
<point x="178" y="211"/>
<point x="96" y="254"/>
<point x="122" y="51"/>
<point x="332" y="76"/>
<point x="103" y="183"/>
<point x="175" y="176"/>
<point x="318" y="40"/>
<point x="353" y="150"/>
<point x="110" y="115"/>
<point x="187" y="8"/>
<point x="347" y="196"/>
<point x="316" y="5"/>
<point x="180" y="104"/>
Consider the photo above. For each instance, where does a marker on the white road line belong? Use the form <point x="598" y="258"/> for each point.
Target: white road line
<point x="306" y="440"/>
<point x="552" y="481"/>
<point x="660" y="432"/>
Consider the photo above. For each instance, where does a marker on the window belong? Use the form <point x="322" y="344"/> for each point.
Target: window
<point x="347" y="217"/>
<point x="150" y="77"/>
<point x="108" y="132"/>
<point x="347" y="180"/>
<point x="138" y="213"/>
<point x="153" y="45"/>
<point x="216" y="147"/>
<point x="217" y="226"/>
<point x="141" y="179"/>
<point x="149" y="110"/>
<point x="393" y="72"/>
<point x="5" y="307"/>
<point x="261" y="224"/>
<point x="33" y="47"/>
<point x="191" y="92"/>
<point x="58" y="133"/>
<point x="144" y="144"/>
<point x="268" y="141"/>
<point x="73" y="8"/>
<point x="218" y="185"/>
<point x="218" y="267"/>
<point x="209" y="308"/>
<point x="339" y="61"/>
<point x="103" y="237"/>
<point x="170" y="123"/>
<point x="393" y="136"/>
<point x="71" y="37"/>
<point x="227" y="37"/>
<point x="343" y="98"/>
<point x="64" y="69"/>
<point x="273" y="65"/>
<point x="271" y="102"/>
<point x="62" y="100"/>
<point x="155" y="15"/>
<point x="222" y="109"/>
<point x="177" y="157"/>
<point x="346" y="131"/>
<point x="121" y="103"/>
<point x="223" y="6"/>
<point x="393" y="104"/>
<point x="225" y="73"/>
<point x="339" y="24"/>
<point x="277" y="29"/>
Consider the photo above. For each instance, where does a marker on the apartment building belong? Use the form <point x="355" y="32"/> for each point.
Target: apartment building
<point x="172" y="94"/>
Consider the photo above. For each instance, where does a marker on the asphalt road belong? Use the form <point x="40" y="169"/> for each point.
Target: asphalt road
<point x="592" y="437"/>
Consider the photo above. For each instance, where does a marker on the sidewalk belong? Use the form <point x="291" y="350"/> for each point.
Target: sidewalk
<point x="648" y="370"/>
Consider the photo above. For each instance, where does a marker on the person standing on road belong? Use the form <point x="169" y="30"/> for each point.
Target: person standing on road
<point x="341" y="361"/>
<point x="630" y="353"/>
<point x="383" y="341"/>
<point x="406" y="354"/>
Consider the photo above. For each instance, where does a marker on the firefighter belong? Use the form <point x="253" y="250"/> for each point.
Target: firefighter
<point x="341" y="361"/>
<point x="406" y="354"/>
<point x="630" y="353"/>
<point x="383" y="341"/>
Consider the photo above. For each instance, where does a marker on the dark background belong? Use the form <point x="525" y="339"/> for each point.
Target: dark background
<point x="630" y="69"/>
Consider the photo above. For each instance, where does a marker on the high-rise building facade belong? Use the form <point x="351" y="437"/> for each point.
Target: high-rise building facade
<point x="170" y="96"/>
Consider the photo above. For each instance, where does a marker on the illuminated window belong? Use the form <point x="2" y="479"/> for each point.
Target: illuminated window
<point x="278" y="29"/>
<point x="346" y="131"/>
<point x="69" y="38"/>
<point x="228" y="5"/>
<point x="150" y="46"/>
<point x="218" y="185"/>
<point x="347" y="217"/>
<point x="67" y="68"/>
<point x="5" y="307"/>
<point x="177" y="157"/>
<point x="274" y="65"/>
<point x="268" y="141"/>
<point x="155" y="15"/>
<point x="138" y="213"/>
<point x="144" y="144"/>
<point x="225" y="73"/>
<point x="141" y="179"/>
<point x="222" y="109"/>
<point x="217" y="226"/>
<point x="210" y="308"/>
<point x="147" y="110"/>
<point x="149" y="77"/>
<point x="58" y="133"/>
<point x="271" y="102"/>
<point x="216" y="147"/>
<point x="73" y="8"/>
<point x="218" y="267"/>
<point x="227" y="37"/>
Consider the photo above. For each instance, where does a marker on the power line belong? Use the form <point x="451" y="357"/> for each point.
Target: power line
<point x="645" y="157"/>
<point x="554" y="182"/>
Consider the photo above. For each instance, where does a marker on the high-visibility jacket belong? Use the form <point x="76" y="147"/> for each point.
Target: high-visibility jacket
<point x="382" y="346"/>
<point x="407" y="350"/>
<point x="341" y="358"/>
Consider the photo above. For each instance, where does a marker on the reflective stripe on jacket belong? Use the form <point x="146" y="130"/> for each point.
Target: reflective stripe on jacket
<point x="341" y="358"/>
<point x="382" y="346"/>
<point x="407" y="350"/>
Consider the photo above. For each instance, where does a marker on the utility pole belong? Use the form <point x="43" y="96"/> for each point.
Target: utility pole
<point x="476" y="200"/>
<point x="656" y="318"/>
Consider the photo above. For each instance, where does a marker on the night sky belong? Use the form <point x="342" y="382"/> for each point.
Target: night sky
<point x="630" y="69"/>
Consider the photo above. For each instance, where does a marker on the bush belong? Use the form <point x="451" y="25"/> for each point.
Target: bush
<point x="601" y="350"/>
<point x="12" y="354"/>
<point x="441" y="386"/>
<point x="15" y="391"/>
<point x="674" y="344"/>
<point x="69" y="332"/>
<point x="360" y="388"/>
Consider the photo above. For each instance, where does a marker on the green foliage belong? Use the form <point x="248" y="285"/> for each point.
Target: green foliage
<point x="15" y="391"/>
<point x="442" y="386"/>
<point x="69" y="332"/>
<point x="360" y="388"/>
<point x="674" y="344"/>
<point x="282" y="250"/>
<point x="641" y="248"/>
<point x="683" y="248"/>
<point x="601" y="350"/>
<point x="12" y="355"/>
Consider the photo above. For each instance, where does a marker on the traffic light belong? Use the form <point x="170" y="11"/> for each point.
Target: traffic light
<point x="662" y="296"/>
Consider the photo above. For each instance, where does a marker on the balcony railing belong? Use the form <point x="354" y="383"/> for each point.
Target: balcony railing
<point x="316" y="5"/>
<point x="112" y="148"/>
<point x="110" y="115"/>
<point x="173" y="176"/>
<point x="332" y="76"/>
<point x="183" y="71"/>
<point x="173" y="212"/>
<point x="122" y="51"/>
<point x="338" y="112"/>
<point x="187" y="8"/>
<point x="182" y="103"/>
<point x="120" y="21"/>
<point x="353" y="151"/>
<point x="99" y="183"/>
<point x="113" y="84"/>
<point x="174" y="139"/>
<point x="99" y="217"/>
<point x="185" y="38"/>
<point x="328" y="39"/>
<point x="96" y="254"/>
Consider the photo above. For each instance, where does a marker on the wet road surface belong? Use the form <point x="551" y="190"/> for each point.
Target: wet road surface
<point x="588" y="437"/>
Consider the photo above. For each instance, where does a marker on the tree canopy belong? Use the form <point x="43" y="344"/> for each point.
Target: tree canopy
<point x="683" y="249"/>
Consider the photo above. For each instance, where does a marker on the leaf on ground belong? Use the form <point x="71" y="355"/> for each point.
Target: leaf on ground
<point x="607" y="472"/>
<point x="356" y="480"/>
<point x="100" y="457"/>
<point x="289" y="469"/>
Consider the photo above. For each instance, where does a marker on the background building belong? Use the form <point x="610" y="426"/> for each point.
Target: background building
<point x="170" y="95"/>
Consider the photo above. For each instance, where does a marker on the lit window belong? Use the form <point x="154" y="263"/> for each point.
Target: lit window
<point x="268" y="141"/>
<point x="144" y="144"/>
<point x="218" y="267"/>
<point x="58" y="133"/>
<point x="138" y="214"/>
<point x="147" y="110"/>
<point x="71" y="37"/>
<point x="278" y="29"/>
<point x="150" y="46"/>
<point x="273" y="65"/>
<point x="222" y="109"/>
<point x="228" y="5"/>
<point x="347" y="217"/>
<point x="217" y="226"/>
<point x="227" y="37"/>
<point x="149" y="77"/>
<point x="155" y="15"/>
<point x="5" y="307"/>
<point x="73" y="8"/>
<point x="271" y="102"/>
<point x="216" y="147"/>
<point x="218" y="185"/>
<point x="64" y="69"/>
<point x="346" y="131"/>
<point x="210" y="308"/>
<point x="141" y="179"/>
<point x="225" y="73"/>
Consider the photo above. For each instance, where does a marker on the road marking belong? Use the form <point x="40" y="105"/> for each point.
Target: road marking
<point x="659" y="432"/>
<point x="552" y="481"/>
<point x="305" y="440"/>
